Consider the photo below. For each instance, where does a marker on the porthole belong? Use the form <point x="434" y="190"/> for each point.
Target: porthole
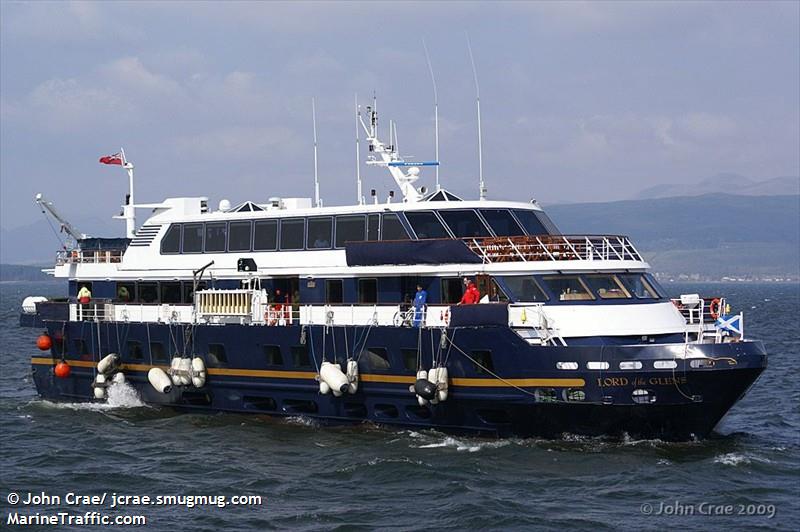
<point x="630" y="364"/>
<point x="701" y="363"/>
<point x="642" y="396"/>
<point x="665" y="364"/>
<point x="567" y="365"/>
<point x="597" y="365"/>
<point x="545" y="395"/>
<point x="384" y="410"/>
<point x="574" y="395"/>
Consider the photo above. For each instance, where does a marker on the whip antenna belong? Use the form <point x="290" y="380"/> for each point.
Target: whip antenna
<point x="316" y="174"/>
<point x="482" y="186"/>
<point x="358" y="155"/>
<point x="435" y="111"/>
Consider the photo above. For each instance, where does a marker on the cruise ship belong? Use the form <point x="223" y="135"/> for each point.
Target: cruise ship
<point x="350" y="314"/>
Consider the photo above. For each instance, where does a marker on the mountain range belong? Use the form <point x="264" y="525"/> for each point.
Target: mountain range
<point x="726" y="184"/>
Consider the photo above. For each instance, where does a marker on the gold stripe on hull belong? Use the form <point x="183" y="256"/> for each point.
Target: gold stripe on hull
<point x="368" y="377"/>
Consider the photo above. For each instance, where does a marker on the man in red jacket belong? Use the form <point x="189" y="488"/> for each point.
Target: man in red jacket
<point x="471" y="294"/>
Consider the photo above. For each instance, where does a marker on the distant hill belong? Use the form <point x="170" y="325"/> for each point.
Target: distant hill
<point x="711" y="235"/>
<point x="726" y="184"/>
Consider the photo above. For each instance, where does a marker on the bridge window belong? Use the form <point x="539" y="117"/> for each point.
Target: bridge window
<point x="452" y="290"/>
<point x="272" y="355"/>
<point x="266" y="235"/>
<point x="148" y="293"/>
<point x="171" y="292"/>
<point x="607" y="287"/>
<point x="525" y="289"/>
<point x="217" y="355"/>
<point x="426" y="225"/>
<point x="320" y="231"/>
<point x="171" y="243"/>
<point x="239" y="234"/>
<point x="373" y="223"/>
<point x="464" y="224"/>
<point x="157" y="353"/>
<point x="333" y="291"/>
<point x="368" y="291"/>
<point x="292" y="234"/>
<point x="350" y="229"/>
<point x="482" y="361"/>
<point x="638" y="285"/>
<point x="502" y="222"/>
<point x="192" y="238"/>
<point x="567" y="288"/>
<point x="216" y="234"/>
<point x="531" y="222"/>
<point x="377" y="358"/>
<point x="392" y="228"/>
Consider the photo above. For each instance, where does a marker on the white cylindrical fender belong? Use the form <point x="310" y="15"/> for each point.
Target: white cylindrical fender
<point x="99" y="392"/>
<point x="332" y="375"/>
<point x="99" y="386"/>
<point x="159" y="380"/>
<point x="185" y="366"/>
<point x="422" y="374"/>
<point x="442" y="384"/>
<point x="108" y="363"/>
<point x="118" y="378"/>
<point x="352" y="376"/>
<point x="174" y="371"/>
<point x="198" y="372"/>
<point x="324" y="389"/>
<point x="422" y="401"/>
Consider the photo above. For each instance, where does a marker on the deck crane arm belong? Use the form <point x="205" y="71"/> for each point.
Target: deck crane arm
<point x="66" y="226"/>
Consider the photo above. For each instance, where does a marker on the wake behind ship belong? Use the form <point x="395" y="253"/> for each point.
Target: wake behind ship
<point x="359" y="313"/>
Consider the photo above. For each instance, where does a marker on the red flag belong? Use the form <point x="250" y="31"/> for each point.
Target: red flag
<point x="112" y="159"/>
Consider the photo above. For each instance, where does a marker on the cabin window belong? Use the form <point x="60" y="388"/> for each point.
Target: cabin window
<point x="426" y="225"/>
<point x="638" y="285"/>
<point x="530" y="222"/>
<point x="452" y="290"/>
<point x="171" y="243"/>
<point x="333" y="291"/>
<point x="368" y="291"/>
<point x="188" y="290"/>
<point x="126" y="292"/>
<point x="157" y="352"/>
<point x="192" y="238"/>
<point x="135" y="350"/>
<point x="148" y="293"/>
<point x="409" y="359"/>
<point x="292" y="233"/>
<point x="525" y="289"/>
<point x="300" y="358"/>
<point x="272" y="355"/>
<point x="607" y="286"/>
<point x="239" y="236"/>
<point x="502" y="222"/>
<point x="392" y="228"/>
<point x="567" y="288"/>
<point x="320" y="231"/>
<point x="373" y="223"/>
<point x="377" y="358"/>
<point x="349" y="229"/>
<point x="171" y="292"/>
<point x="217" y="355"/>
<point x="265" y="235"/>
<point x="482" y="361"/>
<point x="464" y="224"/>
<point x="216" y="234"/>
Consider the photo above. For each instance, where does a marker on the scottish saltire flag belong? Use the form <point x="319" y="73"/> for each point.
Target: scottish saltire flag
<point x="730" y="323"/>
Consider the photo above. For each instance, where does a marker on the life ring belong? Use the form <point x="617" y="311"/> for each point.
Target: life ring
<point x="713" y="308"/>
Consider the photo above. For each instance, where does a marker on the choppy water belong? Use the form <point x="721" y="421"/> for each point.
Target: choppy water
<point x="371" y="477"/>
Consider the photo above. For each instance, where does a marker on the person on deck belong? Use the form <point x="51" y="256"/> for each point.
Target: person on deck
<point x="471" y="295"/>
<point x="84" y="296"/>
<point x="420" y="301"/>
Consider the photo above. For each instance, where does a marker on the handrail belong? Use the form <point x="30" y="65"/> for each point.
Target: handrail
<point x="553" y="248"/>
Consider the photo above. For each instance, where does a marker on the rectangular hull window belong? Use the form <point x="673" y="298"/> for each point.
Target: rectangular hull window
<point x="319" y="233"/>
<point x="266" y="235"/>
<point x="368" y="291"/>
<point x="239" y="236"/>
<point x="192" y="238"/>
<point x="292" y="234"/>
<point x="171" y="243"/>
<point x="216" y="235"/>
<point x="333" y="291"/>
<point x="349" y="229"/>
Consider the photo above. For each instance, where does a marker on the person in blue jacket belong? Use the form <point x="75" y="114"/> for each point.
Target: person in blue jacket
<point x="419" y="305"/>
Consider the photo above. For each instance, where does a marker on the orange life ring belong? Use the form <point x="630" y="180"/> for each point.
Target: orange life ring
<point x="713" y="308"/>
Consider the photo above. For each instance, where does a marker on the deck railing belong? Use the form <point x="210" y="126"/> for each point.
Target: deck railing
<point x="554" y="248"/>
<point x="76" y="256"/>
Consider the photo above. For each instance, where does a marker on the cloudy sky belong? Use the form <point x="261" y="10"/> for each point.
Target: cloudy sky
<point x="582" y="101"/>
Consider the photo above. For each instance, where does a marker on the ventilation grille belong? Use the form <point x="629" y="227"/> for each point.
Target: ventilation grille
<point x="145" y="235"/>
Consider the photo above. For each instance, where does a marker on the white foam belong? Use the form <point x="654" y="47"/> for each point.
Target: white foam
<point x="123" y="395"/>
<point x="735" y="459"/>
<point x="461" y="445"/>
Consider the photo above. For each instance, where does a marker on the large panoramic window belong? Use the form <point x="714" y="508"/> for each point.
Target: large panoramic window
<point x="171" y="243"/>
<point x="638" y="285"/>
<point x="216" y="234"/>
<point x="502" y="223"/>
<point x="292" y="233"/>
<point x="349" y="229"/>
<point x="531" y="222"/>
<point x="192" y="238"/>
<point x="426" y="225"/>
<point x="567" y="287"/>
<point x="607" y="286"/>
<point x="464" y="224"/>
<point x="525" y="288"/>
<point x="320" y="231"/>
<point x="266" y="235"/>
<point x="373" y="221"/>
<point x="239" y="236"/>
<point x="392" y="228"/>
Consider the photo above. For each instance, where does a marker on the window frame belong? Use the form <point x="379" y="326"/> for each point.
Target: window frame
<point x="210" y="225"/>
<point x="364" y="225"/>
<point x="359" y="290"/>
<point x="308" y="221"/>
<point x="302" y="238"/>
<point x="447" y="233"/>
<point x="442" y="212"/>
<point x="179" y="227"/>
<point x="267" y="222"/>
<point x="510" y="215"/>
<point x="249" y="223"/>
<point x="184" y="226"/>
<point x="625" y="292"/>
<point x="328" y="283"/>
<point x="557" y="297"/>
<point x="404" y="227"/>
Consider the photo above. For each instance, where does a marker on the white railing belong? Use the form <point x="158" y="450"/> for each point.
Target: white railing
<point x="533" y="318"/>
<point x="554" y="248"/>
<point x="89" y="257"/>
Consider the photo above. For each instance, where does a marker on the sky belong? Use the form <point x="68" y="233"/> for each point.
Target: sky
<point x="581" y="101"/>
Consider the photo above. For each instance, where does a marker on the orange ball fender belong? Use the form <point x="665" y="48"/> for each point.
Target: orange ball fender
<point x="44" y="342"/>
<point x="62" y="370"/>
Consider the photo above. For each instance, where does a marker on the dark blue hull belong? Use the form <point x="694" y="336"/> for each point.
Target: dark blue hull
<point x="522" y="394"/>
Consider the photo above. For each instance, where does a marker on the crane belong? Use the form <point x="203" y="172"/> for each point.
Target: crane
<point x="65" y="225"/>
